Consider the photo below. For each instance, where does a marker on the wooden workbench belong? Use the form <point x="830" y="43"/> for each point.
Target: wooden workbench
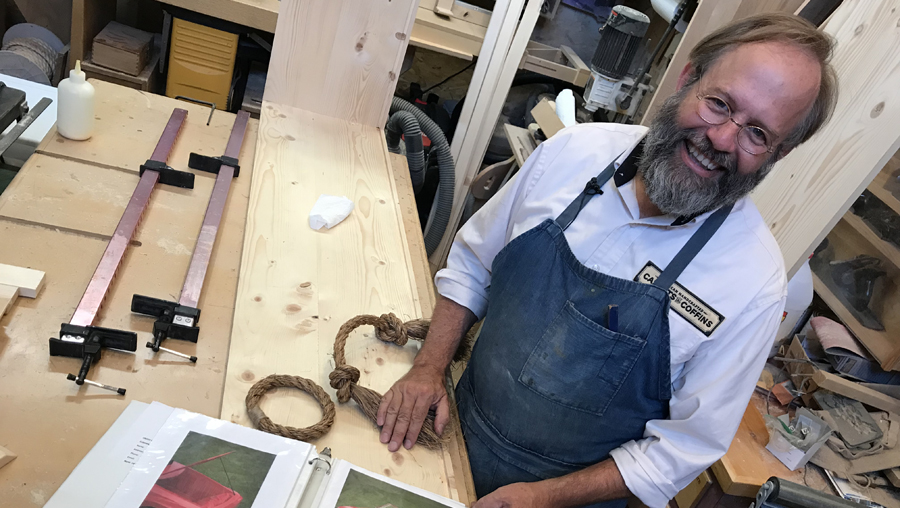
<point x="57" y="216"/>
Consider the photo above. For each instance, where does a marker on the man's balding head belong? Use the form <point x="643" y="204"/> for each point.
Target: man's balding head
<point x="793" y="31"/>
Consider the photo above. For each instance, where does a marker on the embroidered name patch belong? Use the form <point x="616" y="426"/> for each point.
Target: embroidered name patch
<point x="685" y="303"/>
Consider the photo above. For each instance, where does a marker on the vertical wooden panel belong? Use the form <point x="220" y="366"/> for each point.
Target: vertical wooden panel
<point x="340" y="58"/>
<point x="811" y="188"/>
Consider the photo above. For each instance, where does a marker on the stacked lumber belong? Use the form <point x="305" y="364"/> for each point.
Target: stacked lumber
<point x="122" y="48"/>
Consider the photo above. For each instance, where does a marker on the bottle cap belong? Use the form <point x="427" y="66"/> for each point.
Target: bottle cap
<point x="76" y="74"/>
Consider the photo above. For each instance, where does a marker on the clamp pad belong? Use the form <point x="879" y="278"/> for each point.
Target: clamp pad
<point x="213" y="164"/>
<point x="169" y="176"/>
<point x="173" y="321"/>
<point x="93" y="339"/>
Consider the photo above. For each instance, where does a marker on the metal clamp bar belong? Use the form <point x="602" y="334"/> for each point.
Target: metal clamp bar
<point x="193" y="282"/>
<point x="97" y="289"/>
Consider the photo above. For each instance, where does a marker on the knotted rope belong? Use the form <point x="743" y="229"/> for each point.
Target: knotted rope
<point x="388" y="328"/>
<point x="262" y="422"/>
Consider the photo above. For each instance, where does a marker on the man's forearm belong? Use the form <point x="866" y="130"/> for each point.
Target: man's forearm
<point x="449" y="323"/>
<point x="600" y="482"/>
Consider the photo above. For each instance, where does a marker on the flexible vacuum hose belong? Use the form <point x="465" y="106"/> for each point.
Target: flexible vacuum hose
<point x="446" y="167"/>
<point x="404" y="123"/>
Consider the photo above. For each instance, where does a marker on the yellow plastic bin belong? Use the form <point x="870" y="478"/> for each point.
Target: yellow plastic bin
<point x="201" y="62"/>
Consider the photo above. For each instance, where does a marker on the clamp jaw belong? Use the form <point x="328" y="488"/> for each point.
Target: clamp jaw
<point x="173" y="321"/>
<point x="213" y="164"/>
<point x="169" y="176"/>
<point x="87" y="343"/>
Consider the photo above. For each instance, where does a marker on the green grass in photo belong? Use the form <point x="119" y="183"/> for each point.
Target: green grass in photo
<point x="243" y="470"/>
<point x="363" y="491"/>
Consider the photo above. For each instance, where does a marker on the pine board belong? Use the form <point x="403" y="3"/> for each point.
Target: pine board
<point x="339" y="58"/>
<point x="28" y="281"/>
<point x="811" y="188"/>
<point x="8" y="295"/>
<point x="297" y="286"/>
<point x="461" y="473"/>
<point x="6" y="456"/>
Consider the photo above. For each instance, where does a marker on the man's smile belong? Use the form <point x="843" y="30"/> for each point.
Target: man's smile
<point x="699" y="162"/>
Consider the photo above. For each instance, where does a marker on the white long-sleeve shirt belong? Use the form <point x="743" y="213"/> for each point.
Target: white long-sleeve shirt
<point x="732" y="294"/>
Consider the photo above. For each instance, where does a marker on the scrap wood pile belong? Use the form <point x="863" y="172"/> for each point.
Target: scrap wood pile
<point x="842" y="412"/>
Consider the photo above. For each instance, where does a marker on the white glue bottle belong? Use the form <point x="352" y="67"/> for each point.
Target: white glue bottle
<point x="75" y="111"/>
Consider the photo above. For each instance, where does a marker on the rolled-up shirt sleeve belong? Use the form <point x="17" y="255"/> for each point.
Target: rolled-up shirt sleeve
<point x="706" y="408"/>
<point x="468" y="273"/>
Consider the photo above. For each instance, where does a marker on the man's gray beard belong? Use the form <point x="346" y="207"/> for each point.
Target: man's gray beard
<point x="672" y="186"/>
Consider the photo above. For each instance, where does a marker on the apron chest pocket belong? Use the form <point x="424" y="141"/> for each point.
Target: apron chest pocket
<point x="579" y="364"/>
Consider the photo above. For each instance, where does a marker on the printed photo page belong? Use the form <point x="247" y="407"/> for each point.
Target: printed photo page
<point x="195" y="460"/>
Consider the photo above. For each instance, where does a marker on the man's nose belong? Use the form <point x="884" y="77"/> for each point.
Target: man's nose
<point x="724" y="136"/>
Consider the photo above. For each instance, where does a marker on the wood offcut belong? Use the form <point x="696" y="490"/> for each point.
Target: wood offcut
<point x="122" y="48"/>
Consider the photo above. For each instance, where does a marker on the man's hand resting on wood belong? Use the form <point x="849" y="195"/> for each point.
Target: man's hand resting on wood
<point x="404" y="407"/>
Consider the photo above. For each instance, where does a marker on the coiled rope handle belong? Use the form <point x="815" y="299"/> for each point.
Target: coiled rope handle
<point x="262" y="422"/>
<point x="388" y="328"/>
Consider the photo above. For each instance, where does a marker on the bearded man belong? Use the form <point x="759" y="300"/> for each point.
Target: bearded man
<point x="629" y="287"/>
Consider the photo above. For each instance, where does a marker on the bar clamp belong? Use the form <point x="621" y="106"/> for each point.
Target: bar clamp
<point x="173" y="321"/>
<point x="87" y="343"/>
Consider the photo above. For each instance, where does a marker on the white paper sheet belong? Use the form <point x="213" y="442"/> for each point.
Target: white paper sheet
<point x="103" y="469"/>
<point x="256" y="460"/>
<point x="365" y="488"/>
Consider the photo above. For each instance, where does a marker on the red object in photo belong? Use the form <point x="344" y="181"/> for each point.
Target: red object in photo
<point x="179" y="486"/>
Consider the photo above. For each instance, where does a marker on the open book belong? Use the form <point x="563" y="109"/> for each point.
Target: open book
<point x="155" y="456"/>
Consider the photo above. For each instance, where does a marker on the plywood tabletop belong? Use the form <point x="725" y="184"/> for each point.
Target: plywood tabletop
<point x="57" y="216"/>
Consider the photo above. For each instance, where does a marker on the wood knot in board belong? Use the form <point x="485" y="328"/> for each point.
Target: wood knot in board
<point x="876" y="111"/>
<point x="257" y="298"/>
<point x="397" y="458"/>
<point x="248" y="376"/>
<point x="379" y="361"/>
<point x="392" y="76"/>
<point x="289" y="137"/>
<point x="400" y="36"/>
<point x="859" y="30"/>
<point x="293" y="308"/>
<point x="387" y="472"/>
<point x="361" y="42"/>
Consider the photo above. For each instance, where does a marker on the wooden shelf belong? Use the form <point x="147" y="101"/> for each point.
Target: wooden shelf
<point x="878" y="343"/>
<point x="890" y="251"/>
<point x="878" y="184"/>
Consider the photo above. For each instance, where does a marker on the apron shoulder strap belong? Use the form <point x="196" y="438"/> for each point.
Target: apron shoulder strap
<point x="593" y="187"/>
<point x="692" y="247"/>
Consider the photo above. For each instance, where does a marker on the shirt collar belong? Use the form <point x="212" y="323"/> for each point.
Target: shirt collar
<point x="625" y="173"/>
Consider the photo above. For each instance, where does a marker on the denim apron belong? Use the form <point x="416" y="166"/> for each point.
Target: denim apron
<point x="550" y="388"/>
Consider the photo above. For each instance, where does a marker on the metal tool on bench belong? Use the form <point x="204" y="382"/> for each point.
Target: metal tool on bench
<point x="79" y="338"/>
<point x="780" y="493"/>
<point x="14" y="108"/>
<point x="179" y="320"/>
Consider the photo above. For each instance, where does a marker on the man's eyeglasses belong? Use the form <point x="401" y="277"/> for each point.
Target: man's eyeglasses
<point x="752" y="139"/>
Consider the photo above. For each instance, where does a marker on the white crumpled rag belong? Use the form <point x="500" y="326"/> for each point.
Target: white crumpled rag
<point x="329" y="211"/>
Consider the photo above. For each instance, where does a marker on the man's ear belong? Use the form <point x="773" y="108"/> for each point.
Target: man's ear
<point x="685" y="75"/>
